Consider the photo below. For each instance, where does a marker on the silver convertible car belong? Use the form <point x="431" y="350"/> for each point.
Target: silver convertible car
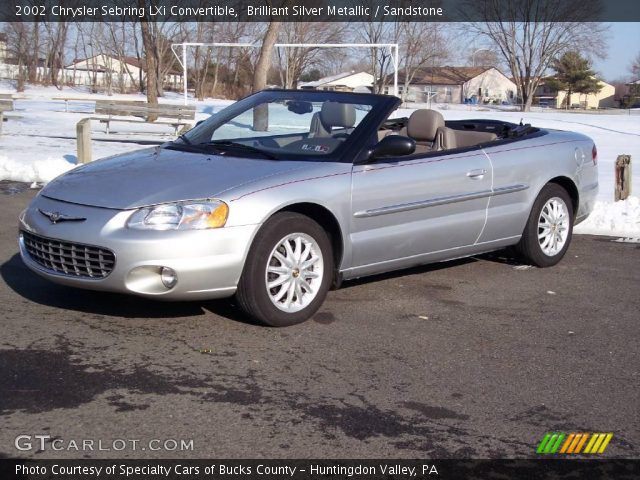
<point x="283" y="194"/>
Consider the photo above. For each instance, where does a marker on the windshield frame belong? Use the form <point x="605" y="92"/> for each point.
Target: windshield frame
<point x="381" y="107"/>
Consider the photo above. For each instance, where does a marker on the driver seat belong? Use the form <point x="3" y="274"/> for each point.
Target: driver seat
<point x="332" y="114"/>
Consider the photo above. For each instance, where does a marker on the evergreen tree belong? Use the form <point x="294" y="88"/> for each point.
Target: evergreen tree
<point x="573" y="75"/>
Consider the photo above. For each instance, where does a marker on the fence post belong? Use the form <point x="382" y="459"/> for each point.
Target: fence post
<point x="622" y="177"/>
<point x="83" y="135"/>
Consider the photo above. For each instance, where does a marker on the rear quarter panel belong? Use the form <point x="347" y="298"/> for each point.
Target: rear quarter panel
<point x="534" y="162"/>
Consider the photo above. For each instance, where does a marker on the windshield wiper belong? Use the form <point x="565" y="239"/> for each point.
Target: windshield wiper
<point x="240" y="146"/>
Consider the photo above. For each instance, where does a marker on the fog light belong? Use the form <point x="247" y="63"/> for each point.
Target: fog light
<point x="169" y="277"/>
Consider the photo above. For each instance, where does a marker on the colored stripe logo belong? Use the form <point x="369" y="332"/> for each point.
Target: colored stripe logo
<point x="574" y="443"/>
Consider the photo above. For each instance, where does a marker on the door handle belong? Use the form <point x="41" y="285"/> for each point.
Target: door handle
<point x="476" y="174"/>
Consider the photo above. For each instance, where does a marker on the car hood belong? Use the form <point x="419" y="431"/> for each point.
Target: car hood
<point x="159" y="175"/>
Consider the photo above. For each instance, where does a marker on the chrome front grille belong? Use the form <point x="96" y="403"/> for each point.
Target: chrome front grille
<point x="67" y="258"/>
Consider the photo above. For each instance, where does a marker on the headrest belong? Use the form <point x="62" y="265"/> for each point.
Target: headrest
<point x="334" y="114"/>
<point x="423" y="124"/>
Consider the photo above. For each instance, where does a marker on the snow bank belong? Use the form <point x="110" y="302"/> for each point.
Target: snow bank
<point x="42" y="171"/>
<point x="614" y="219"/>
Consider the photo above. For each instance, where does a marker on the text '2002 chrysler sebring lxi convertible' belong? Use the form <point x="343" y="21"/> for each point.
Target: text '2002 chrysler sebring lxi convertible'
<point x="285" y="193"/>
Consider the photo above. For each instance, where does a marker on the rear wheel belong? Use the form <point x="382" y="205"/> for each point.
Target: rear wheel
<point x="288" y="271"/>
<point x="547" y="235"/>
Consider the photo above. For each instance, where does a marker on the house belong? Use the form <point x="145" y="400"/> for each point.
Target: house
<point x="102" y="70"/>
<point x="107" y="63"/>
<point x="343" y="82"/>
<point x="457" y="85"/>
<point x="546" y="96"/>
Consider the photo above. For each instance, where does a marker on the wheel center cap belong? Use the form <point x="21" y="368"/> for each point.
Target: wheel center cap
<point x="295" y="273"/>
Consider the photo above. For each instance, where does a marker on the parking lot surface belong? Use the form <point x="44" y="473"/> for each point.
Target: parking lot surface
<point x="473" y="358"/>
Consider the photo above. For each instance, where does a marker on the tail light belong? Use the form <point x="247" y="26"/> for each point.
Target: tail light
<point x="594" y="154"/>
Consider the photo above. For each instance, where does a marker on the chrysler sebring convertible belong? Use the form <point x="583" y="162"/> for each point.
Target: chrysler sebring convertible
<point x="284" y="194"/>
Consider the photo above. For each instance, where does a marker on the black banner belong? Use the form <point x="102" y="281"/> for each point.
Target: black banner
<point x="542" y="469"/>
<point x="319" y="10"/>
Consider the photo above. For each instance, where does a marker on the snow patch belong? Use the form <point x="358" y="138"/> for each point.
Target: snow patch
<point x="43" y="170"/>
<point x="620" y="219"/>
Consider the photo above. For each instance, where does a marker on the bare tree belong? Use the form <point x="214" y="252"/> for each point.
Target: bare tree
<point x="531" y="33"/>
<point x="56" y="40"/>
<point x="202" y="58"/>
<point x="634" y="68"/>
<point x="424" y="44"/>
<point x="264" y="58"/>
<point x="260" y="113"/>
<point x="167" y="33"/>
<point x="149" y="40"/>
<point x="295" y="60"/>
<point x="18" y="50"/>
<point x="87" y="43"/>
<point x="34" y="51"/>
<point x="380" y="59"/>
<point x="118" y="37"/>
<point x="484" y="57"/>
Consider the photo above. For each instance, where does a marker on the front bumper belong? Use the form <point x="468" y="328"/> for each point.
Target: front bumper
<point x="208" y="263"/>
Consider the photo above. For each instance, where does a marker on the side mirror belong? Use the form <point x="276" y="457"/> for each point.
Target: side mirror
<point x="393" y="146"/>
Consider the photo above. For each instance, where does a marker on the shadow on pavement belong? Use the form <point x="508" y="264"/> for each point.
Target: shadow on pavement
<point x="36" y="289"/>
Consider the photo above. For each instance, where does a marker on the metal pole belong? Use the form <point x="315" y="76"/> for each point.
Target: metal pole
<point x="184" y="71"/>
<point x="395" y="73"/>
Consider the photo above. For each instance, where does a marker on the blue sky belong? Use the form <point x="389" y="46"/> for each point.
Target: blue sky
<point x="623" y="46"/>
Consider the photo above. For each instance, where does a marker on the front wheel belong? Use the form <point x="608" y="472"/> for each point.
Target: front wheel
<point x="547" y="234"/>
<point x="288" y="271"/>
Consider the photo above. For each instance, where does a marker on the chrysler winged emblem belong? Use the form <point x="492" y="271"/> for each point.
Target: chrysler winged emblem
<point x="55" y="217"/>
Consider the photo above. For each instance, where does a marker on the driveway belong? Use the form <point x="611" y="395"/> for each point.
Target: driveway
<point x="472" y="358"/>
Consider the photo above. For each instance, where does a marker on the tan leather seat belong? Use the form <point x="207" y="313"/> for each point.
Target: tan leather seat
<point x="448" y="138"/>
<point x="423" y="127"/>
<point x="427" y="128"/>
<point x="469" y="138"/>
<point x="332" y="115"/>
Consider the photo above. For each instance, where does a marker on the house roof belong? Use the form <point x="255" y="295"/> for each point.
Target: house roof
<point x="330" y="79"/>
<point x="443" y="75"/>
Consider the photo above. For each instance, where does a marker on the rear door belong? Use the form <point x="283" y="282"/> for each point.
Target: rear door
<point x="404" y="208"/>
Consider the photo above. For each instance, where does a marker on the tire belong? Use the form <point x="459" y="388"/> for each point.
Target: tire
<point x="544" y="246"/>
<point x="308" y="260"/>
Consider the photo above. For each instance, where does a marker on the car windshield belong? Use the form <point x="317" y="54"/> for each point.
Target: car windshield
<point x="284" y="124"/>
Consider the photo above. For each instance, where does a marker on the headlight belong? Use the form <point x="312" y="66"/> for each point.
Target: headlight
<point x="181" y="216"/>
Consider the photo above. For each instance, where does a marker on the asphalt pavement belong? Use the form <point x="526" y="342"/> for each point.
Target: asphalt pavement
<point x="476" y="358"/>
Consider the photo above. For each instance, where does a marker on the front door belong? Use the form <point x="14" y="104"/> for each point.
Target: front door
<point x="406" y="208"/>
